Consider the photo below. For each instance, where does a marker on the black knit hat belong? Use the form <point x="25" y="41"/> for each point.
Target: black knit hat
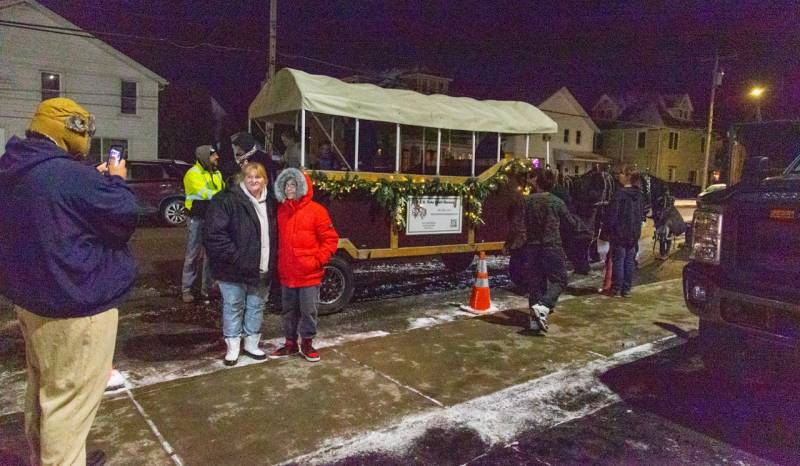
<point x="244" y="140"/>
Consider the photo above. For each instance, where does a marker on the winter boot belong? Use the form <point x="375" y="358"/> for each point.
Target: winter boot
<point x="232" y="356"/>
<point x="308" y="351"/>
<point x="288" y="349"/>
<point x="251" y="347"/>
<point x="539" y="313"/>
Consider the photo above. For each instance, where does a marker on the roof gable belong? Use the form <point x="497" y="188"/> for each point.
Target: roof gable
<point x="63" y="22"/>
<point x="573" y="106"/>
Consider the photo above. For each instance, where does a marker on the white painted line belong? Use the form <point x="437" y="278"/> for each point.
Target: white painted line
<point x="164" y="444"/>
<point x="391" y="379"/>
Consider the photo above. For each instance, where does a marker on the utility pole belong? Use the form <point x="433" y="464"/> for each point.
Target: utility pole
<point x="716" y="80"/>
<point x="273" y="37"/>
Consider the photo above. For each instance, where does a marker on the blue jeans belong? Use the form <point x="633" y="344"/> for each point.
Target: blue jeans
<point x="195" y="252"/>
<point x="299" y="311"/>
<point x="242" y="308"/>
<point x="624" y="258"/>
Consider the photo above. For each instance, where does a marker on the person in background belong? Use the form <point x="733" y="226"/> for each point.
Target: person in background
<point x="545" y="214"/>
<point x="66" y="267"/>
<point x="246" y="150"/>
<point x="291" y="156"/>
<point x="307" y="240"/>
<point x="201" y="183"/>
<point x="240" y="238"/>
<point x="625" y="213"/>
<point x="327" y="158"/>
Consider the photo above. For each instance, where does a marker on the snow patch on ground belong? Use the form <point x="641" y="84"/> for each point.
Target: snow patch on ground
<point x="497" y="417"/>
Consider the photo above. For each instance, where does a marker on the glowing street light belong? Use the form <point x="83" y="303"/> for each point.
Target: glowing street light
<point x="756" y="93"/>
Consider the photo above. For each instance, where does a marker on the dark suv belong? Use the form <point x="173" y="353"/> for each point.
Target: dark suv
<point x="743" y="280"/>
<point x="158" y="186"/>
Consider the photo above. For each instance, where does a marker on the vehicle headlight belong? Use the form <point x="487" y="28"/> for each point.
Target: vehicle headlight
<point x="706" y="237"/>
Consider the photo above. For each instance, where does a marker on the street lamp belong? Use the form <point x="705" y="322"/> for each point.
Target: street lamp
<point x="756" y="93"/>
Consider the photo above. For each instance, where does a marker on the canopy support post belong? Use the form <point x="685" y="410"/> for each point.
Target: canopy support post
<point x="527" y="146"/>
<point x="472" y="171"/>
<point x="397" y="151"/>
<point x="547" y="153"/>
<point x="424" y="151"/>
<point x="438" y="149"/>
<point x="302" y="137"/>
<point x="355" y="153"/>
<point x="498" y="147"/>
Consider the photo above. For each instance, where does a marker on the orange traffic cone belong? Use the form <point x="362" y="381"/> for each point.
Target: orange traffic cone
<point x="480" y="300"/>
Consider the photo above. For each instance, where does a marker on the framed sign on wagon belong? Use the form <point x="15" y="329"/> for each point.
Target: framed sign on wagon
<point x="434" y="215"/>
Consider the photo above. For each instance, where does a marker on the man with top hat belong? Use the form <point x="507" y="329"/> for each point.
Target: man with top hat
<point x="66" y="266"/>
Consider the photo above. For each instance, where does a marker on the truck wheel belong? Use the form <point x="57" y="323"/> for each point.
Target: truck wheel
<point x="337" y="286"/>
<point x="458" y="262"/>
<point x="722" y="352"/>
<point x="173" y="213"/>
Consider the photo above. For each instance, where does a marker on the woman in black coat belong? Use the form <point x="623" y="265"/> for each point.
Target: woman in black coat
<point x="241" y="242"/>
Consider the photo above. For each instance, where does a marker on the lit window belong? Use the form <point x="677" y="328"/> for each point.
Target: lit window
<point x="51" y="85"/>
<point x="128" y="99"/>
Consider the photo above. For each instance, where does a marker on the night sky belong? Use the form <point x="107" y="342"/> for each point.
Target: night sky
<point x="521" y="50"/>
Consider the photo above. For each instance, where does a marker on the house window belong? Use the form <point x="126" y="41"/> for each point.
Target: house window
<point x="703" y="144"/>
<point x="51" y="85"/>
<point x="100" y="146"/>
<point x="692" y="176"/>
<point x="641" y="139"/>
<point x="566" y="135"/>
<point x="671" y="173"/>
<point x="577" y="137"/>
<point x="128" y="99"/>
<point x="576" y="169"/>
<point x="673" y="140"/>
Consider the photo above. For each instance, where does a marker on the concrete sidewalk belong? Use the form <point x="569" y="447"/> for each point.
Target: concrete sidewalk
<point x="277" y="411"/>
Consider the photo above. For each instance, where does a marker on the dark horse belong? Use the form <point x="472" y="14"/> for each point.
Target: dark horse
<point x="587" y="196"/>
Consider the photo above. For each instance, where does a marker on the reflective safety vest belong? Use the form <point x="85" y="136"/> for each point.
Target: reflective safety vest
<point x="200" y="184"/>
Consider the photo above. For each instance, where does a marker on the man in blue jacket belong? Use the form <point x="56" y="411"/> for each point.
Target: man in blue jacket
<point x="65" y="264"/>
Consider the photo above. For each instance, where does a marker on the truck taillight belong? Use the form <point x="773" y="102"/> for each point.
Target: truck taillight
<point x="706" y="237"/>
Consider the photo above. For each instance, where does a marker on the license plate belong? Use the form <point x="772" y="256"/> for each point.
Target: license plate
<point x="782" y="214"/>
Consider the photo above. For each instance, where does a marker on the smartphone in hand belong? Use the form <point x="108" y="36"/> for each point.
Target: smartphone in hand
<point x="115" y="154"/>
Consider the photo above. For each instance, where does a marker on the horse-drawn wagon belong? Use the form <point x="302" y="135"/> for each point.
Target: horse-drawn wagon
<point x="406" y="174"/>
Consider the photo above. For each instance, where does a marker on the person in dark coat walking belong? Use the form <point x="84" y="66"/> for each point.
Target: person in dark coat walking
<point x="545" y="216"/>
<point x="240" y="238"/>
<point x="625" y="213"/>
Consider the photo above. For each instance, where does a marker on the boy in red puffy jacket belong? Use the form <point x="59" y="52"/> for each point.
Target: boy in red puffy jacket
<point x="306" y="240"/>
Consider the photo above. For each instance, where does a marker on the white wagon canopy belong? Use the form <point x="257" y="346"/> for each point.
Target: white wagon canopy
<point x="400" y="130"/>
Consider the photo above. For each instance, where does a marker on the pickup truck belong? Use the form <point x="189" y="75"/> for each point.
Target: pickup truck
<point x="743" y="278"/>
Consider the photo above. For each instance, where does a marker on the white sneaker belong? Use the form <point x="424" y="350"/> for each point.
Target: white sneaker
<point x="539" y="312"/>
<point x="232" y="355"/>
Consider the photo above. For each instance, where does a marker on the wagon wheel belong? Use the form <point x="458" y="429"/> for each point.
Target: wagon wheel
<point x="337" y="286"/>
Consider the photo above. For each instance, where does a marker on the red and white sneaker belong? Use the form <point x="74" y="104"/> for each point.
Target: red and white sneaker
<point x="308" y="351"/>
<point x="288" y="349"/>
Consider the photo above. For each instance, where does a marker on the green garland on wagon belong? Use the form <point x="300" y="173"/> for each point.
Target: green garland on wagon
<point x="391" y="193"/>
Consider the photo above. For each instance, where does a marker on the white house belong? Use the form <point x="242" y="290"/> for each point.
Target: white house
<point x="571" y="149"/>
<point x="57" y="59"/>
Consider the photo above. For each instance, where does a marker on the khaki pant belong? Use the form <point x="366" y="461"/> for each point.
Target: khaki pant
<point x="69" y="361"/>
